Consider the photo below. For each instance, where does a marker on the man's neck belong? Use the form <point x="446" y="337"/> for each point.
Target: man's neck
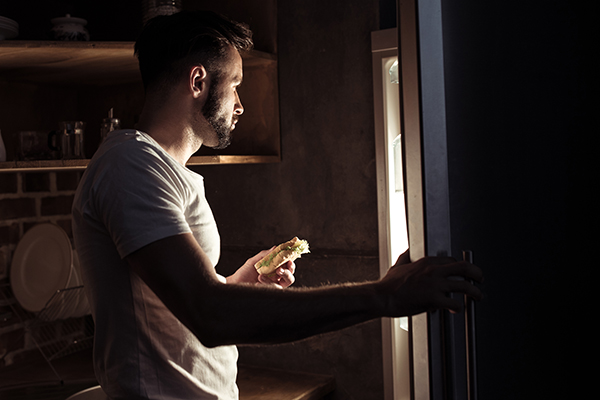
<point x="171" y="132"/>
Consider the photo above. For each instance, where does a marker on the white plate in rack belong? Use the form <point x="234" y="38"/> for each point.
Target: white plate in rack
<point x="8" y="21"/>
<point x="8" y="28"/>
<point x="41" y="265"/>
<point x="83" y="306"/>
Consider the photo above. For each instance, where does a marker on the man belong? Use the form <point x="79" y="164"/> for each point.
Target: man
<point x="166" y="323"/>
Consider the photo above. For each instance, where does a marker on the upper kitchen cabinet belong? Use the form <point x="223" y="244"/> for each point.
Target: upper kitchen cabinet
<point x="44" y="82"/>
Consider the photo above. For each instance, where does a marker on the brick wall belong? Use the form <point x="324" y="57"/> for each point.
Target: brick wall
<point x="27" y="199"/>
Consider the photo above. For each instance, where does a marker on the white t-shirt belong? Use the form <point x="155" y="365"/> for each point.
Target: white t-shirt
<point x="132" y="194"/>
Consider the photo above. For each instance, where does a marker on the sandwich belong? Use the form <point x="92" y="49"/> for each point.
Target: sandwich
<point x="288" y="251"/>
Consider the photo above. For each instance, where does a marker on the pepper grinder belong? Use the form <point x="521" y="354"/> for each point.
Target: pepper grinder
<point x="109" y="124"/>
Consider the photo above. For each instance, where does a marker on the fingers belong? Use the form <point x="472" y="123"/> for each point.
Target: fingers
<point x="463" y="287"/>
<point x="453" y="305"/>
<point x="282" y="277"/>
<point x="448" y="267"/>
<point x="270" y="280"/>
<point x="285" y="274"/>
<point x="463" y="269"/>
<point x="288" y="266"/>
<point x="454" y="273"/>
<point x="427" y="284"/>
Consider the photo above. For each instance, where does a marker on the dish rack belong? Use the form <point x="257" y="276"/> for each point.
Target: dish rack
<point x="59" y="329"/>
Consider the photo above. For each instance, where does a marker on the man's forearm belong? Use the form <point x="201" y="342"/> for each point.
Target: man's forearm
<point x="218" y="313"/>
<point x="245" y="314"/>
<point x="181" y="275"/>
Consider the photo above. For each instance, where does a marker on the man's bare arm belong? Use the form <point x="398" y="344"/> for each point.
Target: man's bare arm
<point x="180" y="274"/>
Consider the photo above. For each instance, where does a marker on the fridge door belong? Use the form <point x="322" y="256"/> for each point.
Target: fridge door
<point x="440" y="367"/>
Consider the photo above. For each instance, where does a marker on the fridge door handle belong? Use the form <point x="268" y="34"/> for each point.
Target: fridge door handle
<point x="470" y="339"/>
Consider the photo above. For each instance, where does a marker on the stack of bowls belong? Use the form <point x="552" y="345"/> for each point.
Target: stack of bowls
<point x="8" y="28"/>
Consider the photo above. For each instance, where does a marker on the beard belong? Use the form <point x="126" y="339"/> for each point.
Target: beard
<point x="212" y="111"/>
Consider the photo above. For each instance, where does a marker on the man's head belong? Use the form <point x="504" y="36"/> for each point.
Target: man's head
<point x="201" y="50"/>
<point x="169" y="46"/>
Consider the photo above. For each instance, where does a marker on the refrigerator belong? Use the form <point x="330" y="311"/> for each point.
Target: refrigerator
<point x="490" y="135"/>
<point x="429" y="356"/>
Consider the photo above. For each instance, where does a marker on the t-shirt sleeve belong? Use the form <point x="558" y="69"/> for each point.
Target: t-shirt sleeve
<point x="139" y="199"/>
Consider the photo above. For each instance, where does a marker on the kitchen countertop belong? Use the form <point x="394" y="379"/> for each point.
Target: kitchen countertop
<point x="37" y="381"/>
<point x="270" y="384"/>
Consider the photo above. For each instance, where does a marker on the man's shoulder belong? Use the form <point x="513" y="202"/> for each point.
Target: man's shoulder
<point x="123" y="148"/>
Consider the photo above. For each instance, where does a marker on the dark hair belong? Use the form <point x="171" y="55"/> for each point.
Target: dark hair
<point x="171" y="44"/>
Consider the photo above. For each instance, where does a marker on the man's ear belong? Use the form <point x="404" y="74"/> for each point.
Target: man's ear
<point x="198" y="81"/>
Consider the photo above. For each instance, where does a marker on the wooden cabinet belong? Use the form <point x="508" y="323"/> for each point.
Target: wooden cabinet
<point x="45" y="82"/>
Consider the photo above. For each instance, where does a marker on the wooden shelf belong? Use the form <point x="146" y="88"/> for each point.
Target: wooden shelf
<point x="56" y="165"/>
<point x="52" y="78"/>
<point x="42" y="165"/>
<point x="220" y="160"/>
<point x="91" y="63"/>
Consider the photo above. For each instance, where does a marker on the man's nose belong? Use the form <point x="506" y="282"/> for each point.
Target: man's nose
<point x="239" y="108"/>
